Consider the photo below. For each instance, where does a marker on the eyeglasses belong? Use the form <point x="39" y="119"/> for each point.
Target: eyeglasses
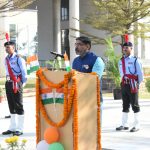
<point x="79" y="44"/>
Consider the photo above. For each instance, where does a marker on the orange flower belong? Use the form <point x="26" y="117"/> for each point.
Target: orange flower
<point x="98" y="116"/>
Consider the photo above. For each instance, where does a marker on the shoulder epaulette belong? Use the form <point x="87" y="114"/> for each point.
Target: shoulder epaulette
<point x="18" y="56"/>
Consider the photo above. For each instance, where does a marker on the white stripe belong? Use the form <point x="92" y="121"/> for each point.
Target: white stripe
<point x="51" y="95"/>
<point x="34" y="63"/>
<point x="67" y="63"/>
<point x="28" y="67"/>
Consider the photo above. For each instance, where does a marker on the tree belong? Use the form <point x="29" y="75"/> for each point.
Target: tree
<point x="9" y="8"/>
<point x="12" y="5"/>
<point x="119" y="17"/>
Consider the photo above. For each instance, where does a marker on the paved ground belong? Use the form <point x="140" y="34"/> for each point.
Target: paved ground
<point x="125" y="140"/>
<point x="111" y="117"/>
<point x="29" y="127"/>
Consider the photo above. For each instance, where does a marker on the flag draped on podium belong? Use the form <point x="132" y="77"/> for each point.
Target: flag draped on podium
<point x="32" y="64"/>
<point x="49" y="96"/>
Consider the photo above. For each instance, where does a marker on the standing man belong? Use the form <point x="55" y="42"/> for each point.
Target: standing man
<point x="16" y="78"/>
<point x="87" y="61"/>
<point x="132" y="75"/>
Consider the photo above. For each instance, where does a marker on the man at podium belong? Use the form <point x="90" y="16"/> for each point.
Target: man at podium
<point x="87" y="61"/>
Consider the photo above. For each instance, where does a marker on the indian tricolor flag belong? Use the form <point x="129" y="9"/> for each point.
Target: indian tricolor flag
<point x="32" y="64"/>
<point x="51" y="96"/>
<point x="67" y="63"/>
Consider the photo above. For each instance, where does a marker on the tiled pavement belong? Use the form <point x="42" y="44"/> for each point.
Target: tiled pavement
<point x="125" y="140"/>
<point x="111" y="117"/>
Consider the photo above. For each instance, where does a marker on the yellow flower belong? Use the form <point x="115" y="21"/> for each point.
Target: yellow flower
<point x="24" y="141"/>
<point x="14" y="139"/>
<point x="7" y="140"/>
<point x="13" y="142"/>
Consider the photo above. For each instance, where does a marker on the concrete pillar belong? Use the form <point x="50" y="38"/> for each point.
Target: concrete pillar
<point x="2" y="58"/>
<point x="73" y="24"/>
<point x="137" y="47"/>
<point x="45" y="30"/>
<point x="142" y="49"/>
<point x="2" y="49"/>
<point x="56" y="27"/>
<point x="146" y="51"/>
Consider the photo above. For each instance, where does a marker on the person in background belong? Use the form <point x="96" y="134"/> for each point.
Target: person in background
<point x="16" y="78"/>
<point x="87" y="61"/>
<point x="131" y="73"/>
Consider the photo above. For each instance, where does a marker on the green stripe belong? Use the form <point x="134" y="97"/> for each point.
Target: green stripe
<point x="32" y="69"/>
<point x="68" y="69"/>
<point x="51" y="101"/>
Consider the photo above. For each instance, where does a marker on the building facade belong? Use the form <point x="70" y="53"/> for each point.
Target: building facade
<point x="57" y="20"/>
<point x="56" y="32"/>
<point x="21" y="27"/>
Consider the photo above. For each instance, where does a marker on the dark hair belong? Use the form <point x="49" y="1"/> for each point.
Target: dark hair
<point x="84" y="40"/>
<point x="128" y="44"/>
<point x="9" y="43"/>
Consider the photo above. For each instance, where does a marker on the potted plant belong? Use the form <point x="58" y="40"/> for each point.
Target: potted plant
<point x="112" y="69"/>
<point x="1" y="94"/>
<point x="147" y="84"/>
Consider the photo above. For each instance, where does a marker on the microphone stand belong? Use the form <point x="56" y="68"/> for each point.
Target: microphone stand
<point x="54" y="62"/>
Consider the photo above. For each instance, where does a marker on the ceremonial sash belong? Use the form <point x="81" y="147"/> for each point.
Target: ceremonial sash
<point x="123" y="66"/>
<point x="13" y="77"/>
<point x="131" y="77"/>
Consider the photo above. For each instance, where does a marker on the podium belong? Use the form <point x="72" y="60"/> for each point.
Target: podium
<point x="72" y="104"/>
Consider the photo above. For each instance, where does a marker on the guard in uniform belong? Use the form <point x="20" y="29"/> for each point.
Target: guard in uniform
<point x="16" y="78"/>
<point x="132" y="75"/>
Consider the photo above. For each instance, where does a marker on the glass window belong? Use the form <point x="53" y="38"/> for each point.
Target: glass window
<point x="12" y="31"/>
<point x="64" y="10"/>
<point x="65" y="41"/>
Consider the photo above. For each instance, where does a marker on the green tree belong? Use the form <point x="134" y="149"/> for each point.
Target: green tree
<point x="12" y="5"/>
<point x="147" y="84"/>
<point x="119" y="17"/>
<point x="10" y="8"/>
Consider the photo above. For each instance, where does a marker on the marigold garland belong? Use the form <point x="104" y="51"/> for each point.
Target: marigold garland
<point x="99" y="147"/>
<point x="48" y="83"/>
<point x="37" y="111"/>
<point x="67" y="100"/>
<point x="75" y="118"/>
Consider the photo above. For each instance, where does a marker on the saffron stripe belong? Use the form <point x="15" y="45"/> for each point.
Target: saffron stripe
<point x="49" y="90"/>
<point x="32" y="58"/>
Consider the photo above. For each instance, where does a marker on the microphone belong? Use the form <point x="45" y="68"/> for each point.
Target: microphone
<point x="56" y="54"/>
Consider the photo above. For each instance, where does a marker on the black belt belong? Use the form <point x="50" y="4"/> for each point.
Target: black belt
<point x="9" y="80"/>
<point x="127" y="81"/>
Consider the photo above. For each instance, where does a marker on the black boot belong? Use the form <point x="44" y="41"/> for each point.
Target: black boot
<point x="17" y="133"/>
<point x="8" y="116"/>
<point x="7" y="132"/>
<point x="134" y="129"/>
<point x="122" y="128"/>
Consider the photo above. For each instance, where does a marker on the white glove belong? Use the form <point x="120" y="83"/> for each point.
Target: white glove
<point x="23" y="85"/>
